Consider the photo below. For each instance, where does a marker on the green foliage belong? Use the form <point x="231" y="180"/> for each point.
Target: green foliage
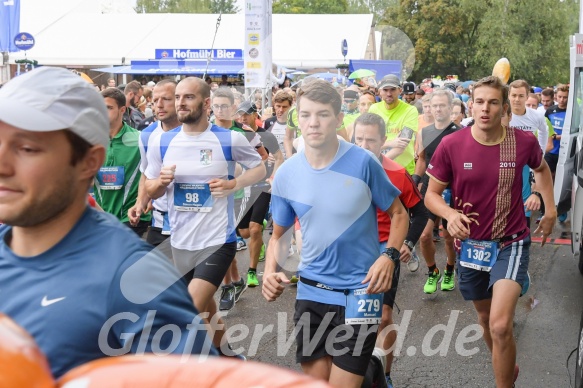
<point x="310" y="6"/>
<point x="467" y="37"/>
<point x="224" y="6"/>
<point x="186" y="6"/>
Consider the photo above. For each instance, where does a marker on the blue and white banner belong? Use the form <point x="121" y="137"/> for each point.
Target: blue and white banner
<point x="223" y="54"/>
<point x="9" y="24"/>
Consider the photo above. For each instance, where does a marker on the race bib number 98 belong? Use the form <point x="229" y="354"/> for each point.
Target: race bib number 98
<point x="363" y="308"/>
<point x="480" y="255"/>
<point x="193" y="197"/>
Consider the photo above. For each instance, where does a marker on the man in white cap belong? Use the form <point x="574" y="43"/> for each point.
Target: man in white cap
<point x="71" y="276"/>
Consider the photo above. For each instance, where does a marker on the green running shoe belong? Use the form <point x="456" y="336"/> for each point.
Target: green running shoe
<point x="431" y="283"/>
<point x="448" y="281"/>
<point x="252" y="279"/>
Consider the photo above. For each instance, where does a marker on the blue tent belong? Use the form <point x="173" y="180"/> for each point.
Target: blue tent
<point x="381" y="68"/>
<point x="177" y="67"/>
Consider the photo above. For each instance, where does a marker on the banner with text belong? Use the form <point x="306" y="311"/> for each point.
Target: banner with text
<point x="222" y="54"/>
<point x="257" y="43"/>
<point x="9" y="24"/>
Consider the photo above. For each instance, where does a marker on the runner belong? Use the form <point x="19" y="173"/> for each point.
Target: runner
<point x="195" y="168"/>
<point x="225" y="113"/>
<point x="69" y="272"/>
<point x="525" y="118"/>
<point x="397" y="115"/>
<point x="116" y="184"/>
<point x="282" y="103"/>
<point x="334" y="234"/>
<point x="431" y="137"/>
<point x="371" y="135"/>
<point x="490" y="221"/>
<point x="255" y="207"/>
<point x="165" y="110"/>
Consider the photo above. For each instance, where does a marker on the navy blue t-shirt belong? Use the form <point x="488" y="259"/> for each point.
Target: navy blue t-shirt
<point x="99" y="292"/>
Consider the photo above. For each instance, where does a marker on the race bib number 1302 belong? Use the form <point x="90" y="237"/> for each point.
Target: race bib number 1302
<point x="480" y="255"/>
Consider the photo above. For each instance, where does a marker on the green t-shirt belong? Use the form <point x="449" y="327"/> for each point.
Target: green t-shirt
<point x="403" y="115"/>
<point x="123" y="152"/>
<point x="350" y="118"/>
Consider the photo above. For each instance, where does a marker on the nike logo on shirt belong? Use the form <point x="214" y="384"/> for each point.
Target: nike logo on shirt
<point x="47" y="302"/>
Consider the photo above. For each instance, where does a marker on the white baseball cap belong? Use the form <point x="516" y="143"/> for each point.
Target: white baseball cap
<point x="50" y="99"/>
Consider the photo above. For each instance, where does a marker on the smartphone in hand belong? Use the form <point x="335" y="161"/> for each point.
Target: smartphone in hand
<point x="406" y="133"/>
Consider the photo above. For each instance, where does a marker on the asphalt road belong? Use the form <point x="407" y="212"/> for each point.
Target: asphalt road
<point x="440" y="346"/>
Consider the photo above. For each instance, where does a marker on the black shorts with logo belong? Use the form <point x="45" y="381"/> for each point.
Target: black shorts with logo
<point x="350" y="354"/>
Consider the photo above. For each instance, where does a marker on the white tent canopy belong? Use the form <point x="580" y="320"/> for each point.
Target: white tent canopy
<point x="82" y="35"/>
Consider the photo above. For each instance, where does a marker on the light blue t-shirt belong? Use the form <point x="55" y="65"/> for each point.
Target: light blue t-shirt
<point x="336" y="207"/>
<point x="100" y="279"/>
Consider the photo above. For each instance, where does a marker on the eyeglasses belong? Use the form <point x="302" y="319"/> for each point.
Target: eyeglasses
<point x="221" y="107"/>
<point x="349" y="100"/>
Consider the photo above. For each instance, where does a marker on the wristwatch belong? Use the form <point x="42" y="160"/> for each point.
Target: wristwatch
<point x="409" y="244"/>
<point x="554" y="136"/>
<point x="392" y="253"/>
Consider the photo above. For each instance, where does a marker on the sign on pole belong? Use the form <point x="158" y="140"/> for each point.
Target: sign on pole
<point x="24" y="41"/>
<point x="344" y="47"/>
<point x="257" y="57"/>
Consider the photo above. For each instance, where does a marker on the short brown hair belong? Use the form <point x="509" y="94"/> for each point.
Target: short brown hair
<point x="533" y="95"/>
<point x="225" y="93"/>
<point x="372" y="119"/>
<point x="492" y="82"/>
<point x="115" y="94"/>
<point x="133" y="86"/>
<point x="282" y="96"/>
<point x="520" y="83"/>
<point x="562" y="88"/>
<point x="548" y="92"/>
<point x="322" y="92"/>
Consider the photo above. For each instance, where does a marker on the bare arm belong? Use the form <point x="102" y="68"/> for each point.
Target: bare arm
<point x="380" y="274"/>
<point x="457" y="223"/>
<point x="142" y="202"/>
<point x="277" y="252"/>
<point x="278" y="161"/>
<point x="288" y="141"/>
<point x="544" y="184"/>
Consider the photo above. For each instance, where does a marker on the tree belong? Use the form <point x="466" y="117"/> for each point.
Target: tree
<point x="467" y="37"/>
<point x="310" y="6"/>
<point x="223" y="6"/>
<point x="186" y="6"/>
<point x="376" y="7"/>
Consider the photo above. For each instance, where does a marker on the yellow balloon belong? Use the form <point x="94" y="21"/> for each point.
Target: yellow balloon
<point x="502" y="70"/>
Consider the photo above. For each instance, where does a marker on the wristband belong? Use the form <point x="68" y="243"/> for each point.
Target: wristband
<point x="416" y="178"/>
<point x="554" y="136"/>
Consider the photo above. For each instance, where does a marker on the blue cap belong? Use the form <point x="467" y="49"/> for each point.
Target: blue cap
<point x="537" y="89"/>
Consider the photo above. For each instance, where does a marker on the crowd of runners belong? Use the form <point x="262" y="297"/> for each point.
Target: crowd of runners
<point x="356" y="180"/>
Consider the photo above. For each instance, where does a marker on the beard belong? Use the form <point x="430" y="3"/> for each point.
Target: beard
<point x="49" y="205"/>
<point x="193" y="117"/>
